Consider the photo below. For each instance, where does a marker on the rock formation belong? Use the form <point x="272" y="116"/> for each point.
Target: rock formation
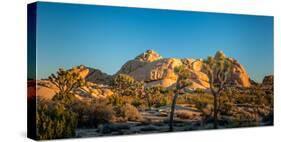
<point x="239" y="75"/>
<point x="151" y="68"/>
<point x="92" y="75"/>
<point x="267" y="82"/>
<point x="46" y="90"/>
<point x="149" y="56"/>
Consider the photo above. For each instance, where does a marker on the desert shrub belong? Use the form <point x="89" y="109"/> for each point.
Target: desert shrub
<point x="104" y="111"/>
<point x="82" y="109"/>
<point x="181" y="99"/>
<point x="65" y="99"/>
<point x="226" y="108"/>
<point x="117" y="100"/>
<point x="263" y="98"/>
<point x="183" y="114"/>
<point x="158" y="100"/>
<point x="54" y="121"/>
<point x="162" y="101"/>
<point x="154" y="96"/>
<point x="246" y="106"/>
<point x="268" y="119"/>
<point x="226" y="104"/>
<point x="139" y="104"/>
<point x="200" y="100"/>
<point x="169" y="97"/>
<point x="100" y="113"/>
<point x="126" y="85"/>
<point x="91" y="114"/>
<point x="199" y="91"/>
<point x="253" y="96"/>
<point x="203" y="102"/>
<point x="128" y="113"/>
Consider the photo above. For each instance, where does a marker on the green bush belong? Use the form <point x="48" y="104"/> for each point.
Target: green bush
<point x="126" y="85"/>
<point x="54" y="121"/>
<point x="140" y="104"/>
<point x="154" y="96"/>
<point x="162" y="101"/>
<point x="117" y="100"/>
<point x="63" y="98"/>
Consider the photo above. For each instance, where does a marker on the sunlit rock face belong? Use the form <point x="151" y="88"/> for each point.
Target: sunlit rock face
<point x="91" y="74"/>
<point x="239" y="76"/>
<point x="148" y="56"/>
<point x="153" y="69"/>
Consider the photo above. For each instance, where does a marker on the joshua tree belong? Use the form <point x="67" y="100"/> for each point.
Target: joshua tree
<point x="218" y="70"/>
<point x="153" y="95"/>
<point x="181" y="83"/>
<point x="126" y="85"/>
<point x="66" y="82"/>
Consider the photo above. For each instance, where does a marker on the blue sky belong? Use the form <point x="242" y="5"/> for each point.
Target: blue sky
<point x="106" y="37"/>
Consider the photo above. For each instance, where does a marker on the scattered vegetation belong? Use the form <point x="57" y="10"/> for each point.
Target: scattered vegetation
<point x="154" y="97"/>
<point x="128" y="112"/>
<point x="100" y="113"/>
<point x="125" y="85"/>
<point x="67" y="82"/>
<point x="221" y="105"/>
<point x="53" y="120"/>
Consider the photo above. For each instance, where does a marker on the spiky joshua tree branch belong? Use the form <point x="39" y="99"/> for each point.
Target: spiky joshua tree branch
<point x="218" y="70"/>
<point x="182" y="82"/>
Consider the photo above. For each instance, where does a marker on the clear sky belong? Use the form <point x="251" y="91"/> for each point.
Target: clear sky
<point x="106" y="37"/>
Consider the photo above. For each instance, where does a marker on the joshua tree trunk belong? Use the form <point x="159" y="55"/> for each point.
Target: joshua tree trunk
<point x="148" y="102"/>
<point x="172" y="112"/>
<point x="215" y="111"/>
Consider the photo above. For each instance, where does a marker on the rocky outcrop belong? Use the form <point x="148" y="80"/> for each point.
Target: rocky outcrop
<point x="267" y="80"/>
<point x="154" y="70"/>
<point x="197" y="78"/>
<point x="149" y="56"/>
<point x="92" y="75"/>
<point x="239" y="75"/>
<point x="131" y="66"/>
<point x="268" y="83"/>
<point x="46" y="90"/>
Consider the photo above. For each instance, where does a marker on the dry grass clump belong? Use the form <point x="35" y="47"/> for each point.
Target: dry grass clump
<point x="184" y="114"/>
<point x="128" y="112"/>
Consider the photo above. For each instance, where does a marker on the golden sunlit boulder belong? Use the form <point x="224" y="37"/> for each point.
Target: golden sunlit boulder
<point x="149" y="56"/>
<point x="154" y="70"/>
<point x="239" y="75"/>
<point x="91" y="74"/>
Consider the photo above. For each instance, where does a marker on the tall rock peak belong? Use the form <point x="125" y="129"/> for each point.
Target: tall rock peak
<point x="149" y="56"/>
<point x="220" y="55"/>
